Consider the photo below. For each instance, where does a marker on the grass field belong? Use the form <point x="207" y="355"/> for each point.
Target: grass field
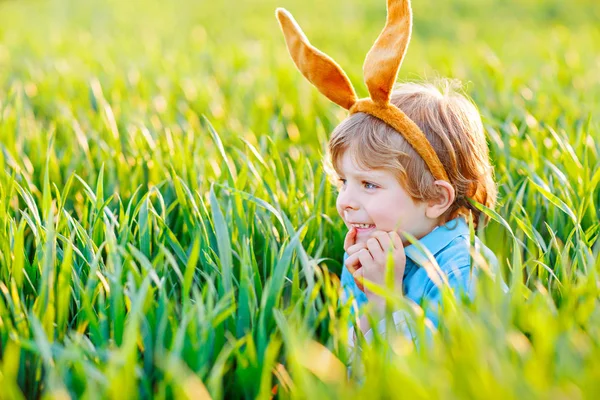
<point x="167" y="229"/>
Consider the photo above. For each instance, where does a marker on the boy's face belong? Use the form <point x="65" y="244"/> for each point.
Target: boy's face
<point x="374" y="200"/>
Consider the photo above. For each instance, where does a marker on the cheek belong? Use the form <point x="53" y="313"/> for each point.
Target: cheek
<point x="383" y="218"/>
<point x="338" y="207"/>
<point x="382" y="211"/>
<point x="391" y="213"/>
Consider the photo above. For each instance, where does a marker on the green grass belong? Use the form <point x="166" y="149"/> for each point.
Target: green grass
<point x="167" y="229"/>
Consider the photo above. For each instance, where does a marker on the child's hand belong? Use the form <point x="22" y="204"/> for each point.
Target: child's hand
<point x="368" y="260"/>
<point x="351" y="248"/>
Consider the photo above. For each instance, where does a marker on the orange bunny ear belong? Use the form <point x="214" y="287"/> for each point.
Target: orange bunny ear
<point x="383" y="60"/>
<point x="316" y="66"/>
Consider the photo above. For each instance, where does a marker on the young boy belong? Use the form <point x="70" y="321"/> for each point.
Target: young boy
<point x="408" y="161"/>
<point x="385" y="190"/>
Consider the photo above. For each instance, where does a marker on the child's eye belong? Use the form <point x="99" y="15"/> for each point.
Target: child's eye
<point x="369" y="185"/>
<point x="341" y="182"/>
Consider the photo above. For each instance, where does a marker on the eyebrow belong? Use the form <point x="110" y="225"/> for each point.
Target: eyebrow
<point x="363" y="176"/>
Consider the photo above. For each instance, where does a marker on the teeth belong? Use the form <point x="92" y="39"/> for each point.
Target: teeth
<point x="362" y="226"/>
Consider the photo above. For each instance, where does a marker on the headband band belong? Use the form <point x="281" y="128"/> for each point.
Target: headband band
<point x="395" y="118"/>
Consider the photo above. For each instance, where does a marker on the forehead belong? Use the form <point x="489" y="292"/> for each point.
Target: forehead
<point x="350" y="165"/>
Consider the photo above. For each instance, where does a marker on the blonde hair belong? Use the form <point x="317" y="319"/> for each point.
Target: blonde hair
<point x="451" y="123"/>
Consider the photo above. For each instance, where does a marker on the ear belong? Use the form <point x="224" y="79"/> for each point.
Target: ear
<point x="438" y="206"/>
<point x="383" y="60"/>
<point x="316" y="66"/>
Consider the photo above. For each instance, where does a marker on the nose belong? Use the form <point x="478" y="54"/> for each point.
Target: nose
<point x="346" y="200"/>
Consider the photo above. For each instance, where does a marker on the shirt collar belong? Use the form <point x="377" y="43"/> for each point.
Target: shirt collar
<point x="437" y="239"/>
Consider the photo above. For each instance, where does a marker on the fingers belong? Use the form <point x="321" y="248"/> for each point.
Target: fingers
<point x="375" y="249"/>
<point x="366" y="261"/>
<point x="398" y="246"/>
<point x="365" y="257"/>
<point x="359" y="279"/>
<point x="357" y="260"/>
<point x="389" y="241"/>
<point x="350" y="239"/>
<point x="396" y="240"/>
<point x="355" y="248"/>
<point x="352" y="263"/>
<point x="384" y="240"/>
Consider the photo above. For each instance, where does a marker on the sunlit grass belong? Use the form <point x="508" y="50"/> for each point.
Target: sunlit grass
<point x="167" y="228"/>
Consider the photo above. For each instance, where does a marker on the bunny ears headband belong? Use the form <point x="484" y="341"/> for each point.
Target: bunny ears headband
<point x="380" y="71"/>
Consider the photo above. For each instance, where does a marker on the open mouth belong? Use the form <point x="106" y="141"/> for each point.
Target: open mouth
<point x="363" y="227"/>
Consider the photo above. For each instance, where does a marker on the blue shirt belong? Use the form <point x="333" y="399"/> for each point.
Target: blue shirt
<point x="449" y="244"/>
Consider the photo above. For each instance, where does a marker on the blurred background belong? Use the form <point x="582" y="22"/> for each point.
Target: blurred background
<point x="545" y="53"/>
